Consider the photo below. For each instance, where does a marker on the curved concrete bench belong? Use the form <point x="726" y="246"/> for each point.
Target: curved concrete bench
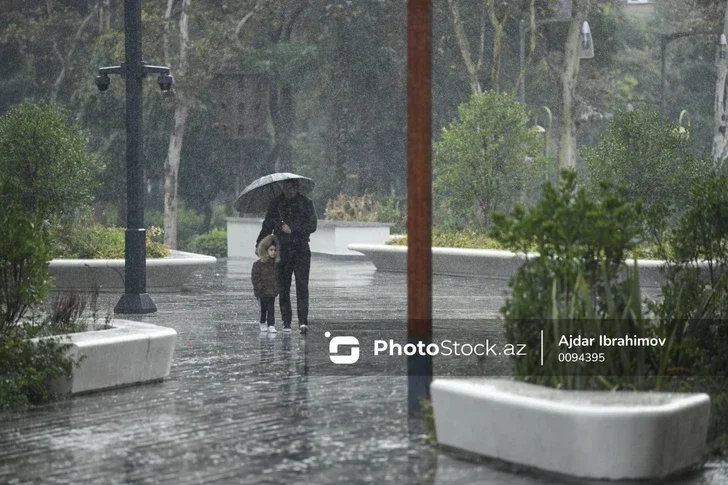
<point x="490" y="263"/>
<point x="596" y="435"/>
<point x="164" y="275"/>
<point x="127" y="353"/>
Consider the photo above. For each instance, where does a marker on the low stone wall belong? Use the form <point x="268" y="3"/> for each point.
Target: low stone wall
<point x="330" y="238"/>
<point x="164" y="275"/>
<point x="128" y="353"/>
<point x="488" y="263"/>
<point x="586" y="434"/>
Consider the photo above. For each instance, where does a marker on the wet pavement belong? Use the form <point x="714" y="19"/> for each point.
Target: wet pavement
<point x="245" y="407"/>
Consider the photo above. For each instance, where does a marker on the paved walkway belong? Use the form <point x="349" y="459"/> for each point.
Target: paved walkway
<point x="241" y="407"/>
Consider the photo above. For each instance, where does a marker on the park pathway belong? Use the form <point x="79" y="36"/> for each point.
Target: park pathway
<point x="244" y="407"/>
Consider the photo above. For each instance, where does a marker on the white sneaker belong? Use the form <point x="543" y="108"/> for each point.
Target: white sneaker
<point x="263" y="327"/>
<point x="272" y="329"/>
<point x="304" y="329"/>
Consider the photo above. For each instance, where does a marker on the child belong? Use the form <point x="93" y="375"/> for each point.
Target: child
<point x="265" y="282"/>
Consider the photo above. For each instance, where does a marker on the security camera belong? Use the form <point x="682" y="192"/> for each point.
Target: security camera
<point x="165" y="81"/>
<point x="103" y="82"/>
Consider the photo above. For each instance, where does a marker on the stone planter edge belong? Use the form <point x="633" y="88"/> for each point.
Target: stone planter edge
<point x="587" y="434"/>
<point x="128" y="353"/>
<point x="486" y="263"/>
<point x="107" y="275"/>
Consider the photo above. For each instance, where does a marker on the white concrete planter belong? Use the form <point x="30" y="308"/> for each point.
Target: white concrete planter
<point x="128" y="353"/>
<point x="490" y="263"/>
<point x="331" y="238"/>
<point x="595" y="435"/>
<point x="164" y="275"/>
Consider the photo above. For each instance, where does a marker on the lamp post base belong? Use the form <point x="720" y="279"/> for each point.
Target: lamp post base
<point x="135" y="304"/>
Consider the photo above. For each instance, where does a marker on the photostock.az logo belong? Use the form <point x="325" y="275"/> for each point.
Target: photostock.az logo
<point x="347" y="340"/>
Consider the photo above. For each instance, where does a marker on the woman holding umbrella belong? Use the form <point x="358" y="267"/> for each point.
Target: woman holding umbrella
<point x="291" y="216"/>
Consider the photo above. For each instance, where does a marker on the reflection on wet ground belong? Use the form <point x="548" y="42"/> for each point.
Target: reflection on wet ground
<point x="245" y="407"/>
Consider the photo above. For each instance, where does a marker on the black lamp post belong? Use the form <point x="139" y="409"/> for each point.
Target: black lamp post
<point x="135" y="298"/>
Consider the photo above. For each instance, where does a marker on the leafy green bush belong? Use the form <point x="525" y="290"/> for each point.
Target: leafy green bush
<point x="189" y="224"/>
<point x="352" y="208"/>
<point x="87" y="240"/>
<point x="44" y="162"/>
<point x="465" y="238"/>
<point x="393" y="210"/>
<point x="577" y="285"/>
<point x="694" y="306"/>
<point x="26" y="368"/>
<point x="367" y="208"/>
<point x="485" y="158"/>
<point x="647" y="157"/>
<point x="214" y="243"/>
<point x="24" y="260"/>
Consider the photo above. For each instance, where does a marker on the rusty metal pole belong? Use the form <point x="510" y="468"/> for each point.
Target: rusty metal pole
<point x="419" y="198"/>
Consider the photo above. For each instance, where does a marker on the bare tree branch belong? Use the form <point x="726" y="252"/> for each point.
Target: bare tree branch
<point x="167" y="19"/>
<point x="65" y="60"/>
<point x="259" y="4"/>
<point x="464" y="47"/>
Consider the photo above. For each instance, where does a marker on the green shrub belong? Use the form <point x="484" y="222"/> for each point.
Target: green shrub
<point x="367" y="208"/>
<point x="577" y="285"/>
<point x="27" y="367"/>
<point x="214" y="243"/>
<point x="485" y="158"/>
<point x="393" y="210"/>
<point x="24" y="260"/>
<point x="189" y="224"/>
<point x="694" y="306"/>
<point x="44" y="161"/>
<point x="465" y="238"/>
<point x="351" y="208"/>
<point x="87" y="240"/>
<point x="647" y="156"/>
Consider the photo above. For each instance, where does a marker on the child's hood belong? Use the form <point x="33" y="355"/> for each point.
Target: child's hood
<point x="263" y="246"/>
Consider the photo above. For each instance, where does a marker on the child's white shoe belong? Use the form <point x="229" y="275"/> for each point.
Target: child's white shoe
<point x="263" y="327"/>
<point x="272" y="329"/>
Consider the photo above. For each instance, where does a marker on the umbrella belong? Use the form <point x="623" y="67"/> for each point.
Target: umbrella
<point x="257" y="196"/>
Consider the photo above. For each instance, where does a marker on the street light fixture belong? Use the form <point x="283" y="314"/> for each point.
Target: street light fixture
<point x="586" y="52"/>
<point x="681" y="129"/>
<point x="546" y="132"/>
<point x="587" y="48"/>
<point x="135" y="299"/>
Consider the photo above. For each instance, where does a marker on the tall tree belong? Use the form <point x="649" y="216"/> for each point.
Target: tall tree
<point x="720" y="137"/>
<point x="181" y="114"/>
<point x="569" y="73"/>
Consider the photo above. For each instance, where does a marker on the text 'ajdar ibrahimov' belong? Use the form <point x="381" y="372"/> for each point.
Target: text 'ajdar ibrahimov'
<point x="604" y="341"/>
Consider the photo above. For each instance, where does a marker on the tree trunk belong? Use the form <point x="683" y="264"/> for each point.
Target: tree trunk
<point x="720" y="139"/>
<point x="471" y="67"/>
<point x="569" y="73"/>
<point x="497" y="43"/>
<point x="285" y="129"/>
<point x="171" y="171"/>
<point x="176" y="138"/>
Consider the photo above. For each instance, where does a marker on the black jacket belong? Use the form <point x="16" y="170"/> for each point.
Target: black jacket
<point x="298" y="213"/>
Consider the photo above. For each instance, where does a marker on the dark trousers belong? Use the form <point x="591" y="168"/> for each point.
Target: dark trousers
<point x="295" y="260"/>
<point x="268" y="310"/>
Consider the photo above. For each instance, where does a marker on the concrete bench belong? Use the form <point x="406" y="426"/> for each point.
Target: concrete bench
<point x="587" y="434"/>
